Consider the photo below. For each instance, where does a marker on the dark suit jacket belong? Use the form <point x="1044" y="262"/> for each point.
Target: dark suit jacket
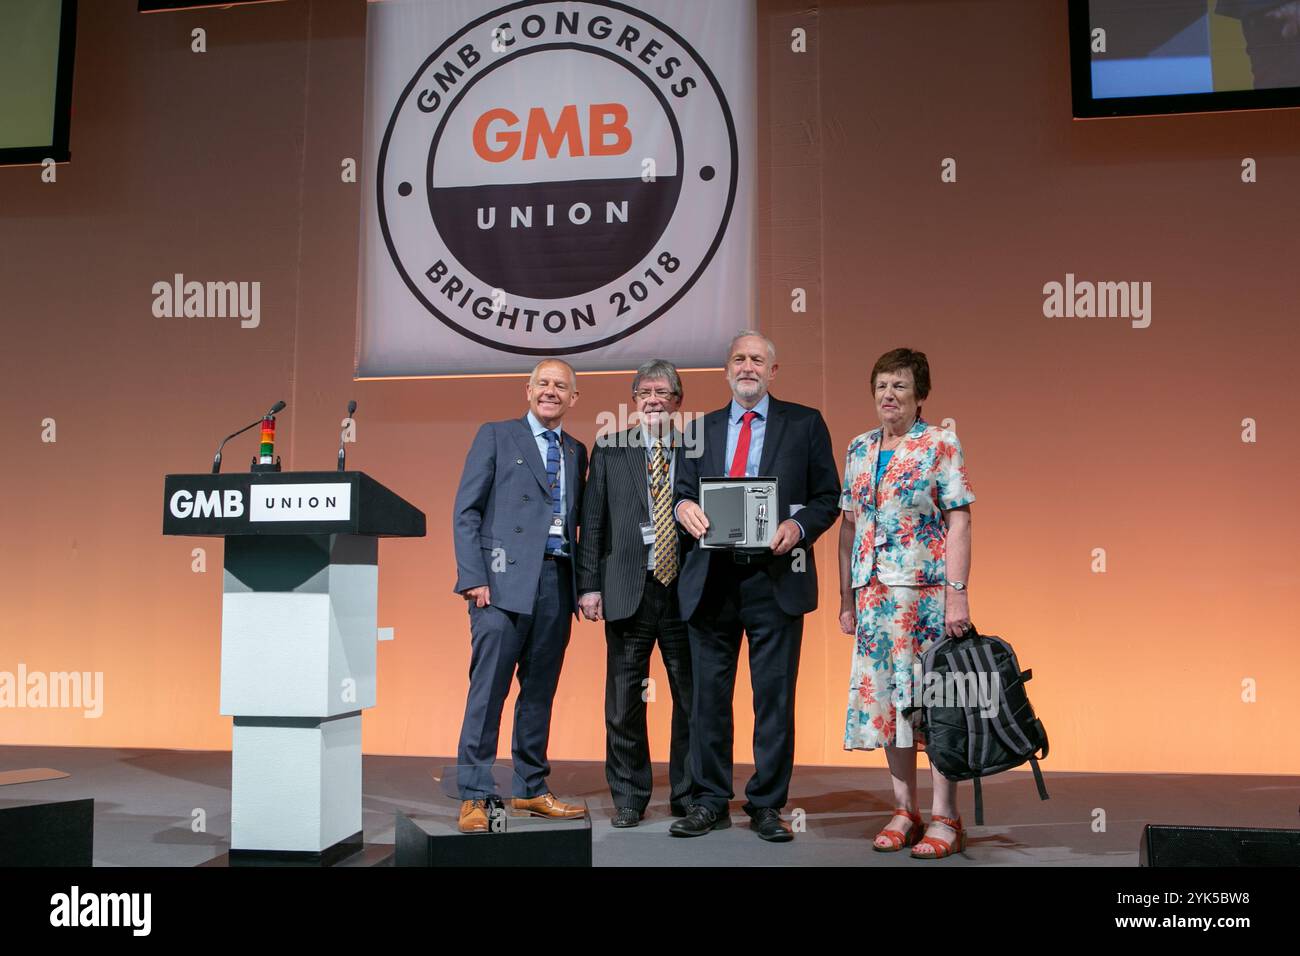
<point x="611" y="554"/>
<point x="503" y="502"/>
<point x="797" y="452"/>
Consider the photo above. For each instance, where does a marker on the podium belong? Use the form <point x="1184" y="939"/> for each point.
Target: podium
<point x="299" y="625"/>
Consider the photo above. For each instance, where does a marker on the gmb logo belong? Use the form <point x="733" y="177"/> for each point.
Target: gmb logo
<point x="555" y="176"/>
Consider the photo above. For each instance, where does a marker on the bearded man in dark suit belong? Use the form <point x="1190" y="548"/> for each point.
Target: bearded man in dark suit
<point x="762" y="593"/>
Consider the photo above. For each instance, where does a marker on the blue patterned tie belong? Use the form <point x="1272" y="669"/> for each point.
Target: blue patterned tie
<point x="553" y="542"/>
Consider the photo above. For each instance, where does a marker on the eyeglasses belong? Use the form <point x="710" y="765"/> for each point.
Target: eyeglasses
<point x="660" y="393"/>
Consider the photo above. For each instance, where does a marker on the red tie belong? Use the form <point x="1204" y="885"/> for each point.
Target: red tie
<point x="741" y="458"/>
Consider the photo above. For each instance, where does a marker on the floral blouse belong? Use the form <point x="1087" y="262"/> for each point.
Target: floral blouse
<point x="900" y="534"/>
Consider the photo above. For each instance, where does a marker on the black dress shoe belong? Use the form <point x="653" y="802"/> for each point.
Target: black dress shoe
<point x="699" y="821"/>
<point x="679" y="809"/>
<point x="627" y="817"/>
<point x="767" y="823"/>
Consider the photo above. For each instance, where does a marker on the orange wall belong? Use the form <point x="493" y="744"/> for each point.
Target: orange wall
<point x="1079" y="433"/>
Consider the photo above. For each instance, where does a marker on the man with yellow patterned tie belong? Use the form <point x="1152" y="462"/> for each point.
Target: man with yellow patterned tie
<point x="628" y="559"/>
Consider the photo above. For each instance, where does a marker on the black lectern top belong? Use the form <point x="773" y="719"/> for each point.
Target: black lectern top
<point x="288" y="502"/>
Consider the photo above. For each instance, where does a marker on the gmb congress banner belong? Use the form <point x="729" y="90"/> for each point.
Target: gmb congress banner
<point x="555" y="178"/>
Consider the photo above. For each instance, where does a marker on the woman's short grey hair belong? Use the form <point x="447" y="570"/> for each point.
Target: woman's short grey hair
<point x="751" y="333"/>
<point x="658" y="368"/>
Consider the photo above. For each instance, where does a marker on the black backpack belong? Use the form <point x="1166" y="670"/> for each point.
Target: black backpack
<point x="964" y="739"/>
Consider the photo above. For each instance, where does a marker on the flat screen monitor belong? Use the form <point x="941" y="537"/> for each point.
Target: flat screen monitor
<point x="37" y="41"/>
<point x="1144" y="57"/>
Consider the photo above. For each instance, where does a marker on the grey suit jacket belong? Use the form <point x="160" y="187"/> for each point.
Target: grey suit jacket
<point x="503" y="510"/>
<point x="611" y="555"/>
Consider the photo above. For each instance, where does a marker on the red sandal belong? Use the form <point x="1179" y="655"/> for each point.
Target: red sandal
<point x="899" y="840"/>
<point x="940" y="846"/>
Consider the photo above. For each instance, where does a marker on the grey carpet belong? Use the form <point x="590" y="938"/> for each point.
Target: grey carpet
<point x="145" y="802"/>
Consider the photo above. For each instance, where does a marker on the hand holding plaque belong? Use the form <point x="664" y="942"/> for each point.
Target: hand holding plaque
<point x="741" y="512"/>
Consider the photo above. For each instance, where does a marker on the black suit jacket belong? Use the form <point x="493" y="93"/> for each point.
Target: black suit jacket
<point x="797" y="452"/>
<point x="611" y="554"/>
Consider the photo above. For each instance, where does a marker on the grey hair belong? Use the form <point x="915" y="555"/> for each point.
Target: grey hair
<point x="658" y="368"/>
<point x="573" y="376"/>
<point x="754" y="334"/>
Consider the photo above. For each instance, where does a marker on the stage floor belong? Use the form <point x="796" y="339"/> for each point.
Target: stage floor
<point x="145" y="802"/>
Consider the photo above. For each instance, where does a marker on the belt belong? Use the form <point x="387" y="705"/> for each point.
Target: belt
<point x="555" y="557"/>
<point x="751" y="557"/>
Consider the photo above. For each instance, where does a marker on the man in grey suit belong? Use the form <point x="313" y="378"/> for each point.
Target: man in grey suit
<point x="515" y="524"/>
<point x="627" y="575"/>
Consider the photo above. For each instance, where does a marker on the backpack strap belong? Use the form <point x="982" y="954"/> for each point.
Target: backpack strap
<point x="977" y="735"/>
<point x="1038" y="779"/>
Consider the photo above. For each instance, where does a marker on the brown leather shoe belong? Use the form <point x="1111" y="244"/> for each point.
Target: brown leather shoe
<point x="547" y="805"/>
<point x="473" y="816"/>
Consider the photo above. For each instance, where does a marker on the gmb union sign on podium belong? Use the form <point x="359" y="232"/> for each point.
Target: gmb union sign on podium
<point x="567" y="178"/>
<point x="299" y="624"/>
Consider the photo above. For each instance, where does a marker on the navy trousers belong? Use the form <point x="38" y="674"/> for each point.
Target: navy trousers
<point x="505" y="644"/>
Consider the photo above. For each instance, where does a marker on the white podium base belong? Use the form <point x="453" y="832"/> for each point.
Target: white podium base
<point x="296" y="783"/>
<point x="298" y="662"/>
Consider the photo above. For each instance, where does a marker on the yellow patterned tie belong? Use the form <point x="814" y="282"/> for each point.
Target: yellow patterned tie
<point x="665" y="529"/>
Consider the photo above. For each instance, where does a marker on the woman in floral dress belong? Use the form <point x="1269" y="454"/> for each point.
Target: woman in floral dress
<point x="904" y="563"/>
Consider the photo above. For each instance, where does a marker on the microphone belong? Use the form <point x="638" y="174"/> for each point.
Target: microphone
<point x="352" y="407"/>
<point x="216" y="459"/>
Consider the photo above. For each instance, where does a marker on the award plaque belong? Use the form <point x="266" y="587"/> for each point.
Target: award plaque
<point x="742" y="512"/>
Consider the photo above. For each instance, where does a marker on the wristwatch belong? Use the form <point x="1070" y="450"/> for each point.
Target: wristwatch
<point x="956" y="585"/>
